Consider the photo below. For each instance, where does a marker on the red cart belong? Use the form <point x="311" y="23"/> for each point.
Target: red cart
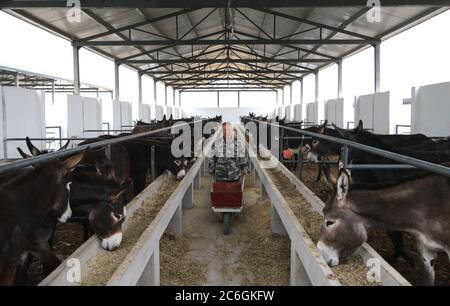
<point x="226" y="199"/>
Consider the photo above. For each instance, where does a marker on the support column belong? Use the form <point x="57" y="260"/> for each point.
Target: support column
<point x="197" y="182"/>
<point x="151" y="274"/>
<point x="239" y="98"/>
<point x="316" y="74"/>
<point x="299" y="277"/>
<point x="16" y="79"/>
<point x="188" y="198"/>
<point x="176" y="223"/>
<point x="339" y="93"/>
<point x="165" y="95"/>
<point x="179" y="98"/>
<point x="117" y="81"/>
<point x="173" y="97"/>
<point x="264" y="195"/>
<point x="53" y="92"/>
<point x="155" y="93"/>
<point x="276" y="224"/>
<point x="218" y="99"/>
<point x="290" y="93"/>
<point x="140" y="95"/>
<point x="282" y="100"/>
<point x="301" y="91"/>
<point x="377" y="67"/>
<point x="277" y="97"/>
<point x="76" y="71"/>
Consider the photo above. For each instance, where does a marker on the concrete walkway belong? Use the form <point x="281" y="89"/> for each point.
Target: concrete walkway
<point x="208" y="244"/>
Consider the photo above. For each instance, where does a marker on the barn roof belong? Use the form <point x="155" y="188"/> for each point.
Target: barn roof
<point x="214" y="44"/>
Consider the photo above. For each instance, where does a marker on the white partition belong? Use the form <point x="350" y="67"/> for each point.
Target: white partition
<point x="83" y="114"/>
<point x="312" y="113"/>
<point x="298" y="112"/>
<point x="430" y="110"/>
<point x="169" y="111"/>
<point x="159" y="111"/>
<point x="126" y="114"/>
<point x="334" y="111"/>
<point x="288" y="112"/>
<point x="22" y="113"/>
<point x="280" y="112"/>
<point x="373" y="110"/>
<point x="145" y="113"/>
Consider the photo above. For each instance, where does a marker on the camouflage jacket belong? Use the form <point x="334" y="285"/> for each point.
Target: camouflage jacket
<point x="228" y="160"/>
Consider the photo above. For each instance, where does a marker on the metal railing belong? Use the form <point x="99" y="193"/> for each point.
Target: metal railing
<point x="35" y="160"/>
<point x="406" y="162"/>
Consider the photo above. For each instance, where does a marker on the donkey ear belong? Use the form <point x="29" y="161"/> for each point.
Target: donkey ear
<point x="23" y="154"/>
<point x="115" y="197"/>
<point x="64" y="146"/>
<point x="360" y="127"/>
<point x="71" y="162"/>
<point x="343" y="185"/>
<point x="323" y="127"/>
<point x="34" y="151"/>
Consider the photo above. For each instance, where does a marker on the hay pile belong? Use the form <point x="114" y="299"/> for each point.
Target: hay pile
<point x="177" y="269"/>
<point x="351" y="273"/>
<point x="99" y="269"/>
<point x="265" y="254"/>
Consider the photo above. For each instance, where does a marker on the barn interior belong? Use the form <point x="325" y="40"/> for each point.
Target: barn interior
<point x="258" y="65"/>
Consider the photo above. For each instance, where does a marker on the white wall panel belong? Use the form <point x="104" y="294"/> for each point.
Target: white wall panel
<point x="83" y="114"/>
<point x="159" y="112"/>
<point x="373" y="110"/>
<point x="145" y="113"/>
<point x="334" y="111"/>
<point x="22" y="114"/>
<point x="298" y="112"/>
<point x="430" y="109"/>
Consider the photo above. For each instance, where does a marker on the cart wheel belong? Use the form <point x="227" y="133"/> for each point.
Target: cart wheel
<point x="226" y="223"/>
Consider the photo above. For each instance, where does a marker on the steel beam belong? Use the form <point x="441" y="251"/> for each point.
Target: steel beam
<point x="203" y="42"/>
<point x="211" y="3"/>
<point x="226" y="60"/>
<point x="199" y="72"/>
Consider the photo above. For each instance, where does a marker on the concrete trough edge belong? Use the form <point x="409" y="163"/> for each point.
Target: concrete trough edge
<point x="389" y="276"/>
<point x="92" y="246"/>
<point x="318" y="271"/>
<point x="129" y="272"/>
<point x="131" y="269"/>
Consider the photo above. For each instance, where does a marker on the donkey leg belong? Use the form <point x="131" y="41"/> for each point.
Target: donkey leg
<point x="22" y="270"/>
<point x="7" y="272"/>
<point x="47" y="257"/>
<point x="399" y="250"/>
<point x="427" y="273"/>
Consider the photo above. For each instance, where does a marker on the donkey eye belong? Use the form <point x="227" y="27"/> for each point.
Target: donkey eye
<point x="315" y="142"/>
<point x="329" y="223"/>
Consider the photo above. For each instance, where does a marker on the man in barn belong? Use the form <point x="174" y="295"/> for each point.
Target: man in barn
<point x="228" y="161"/>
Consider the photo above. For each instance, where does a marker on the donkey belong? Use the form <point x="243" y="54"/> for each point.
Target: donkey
<point x="419" y="206"/>
<point x="30" y="205"/>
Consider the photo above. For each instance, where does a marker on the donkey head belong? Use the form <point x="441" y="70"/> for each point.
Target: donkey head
<point x="344" y="230"/>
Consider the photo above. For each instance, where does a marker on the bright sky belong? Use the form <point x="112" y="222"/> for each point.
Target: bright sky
<point x="419" y="56"/>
